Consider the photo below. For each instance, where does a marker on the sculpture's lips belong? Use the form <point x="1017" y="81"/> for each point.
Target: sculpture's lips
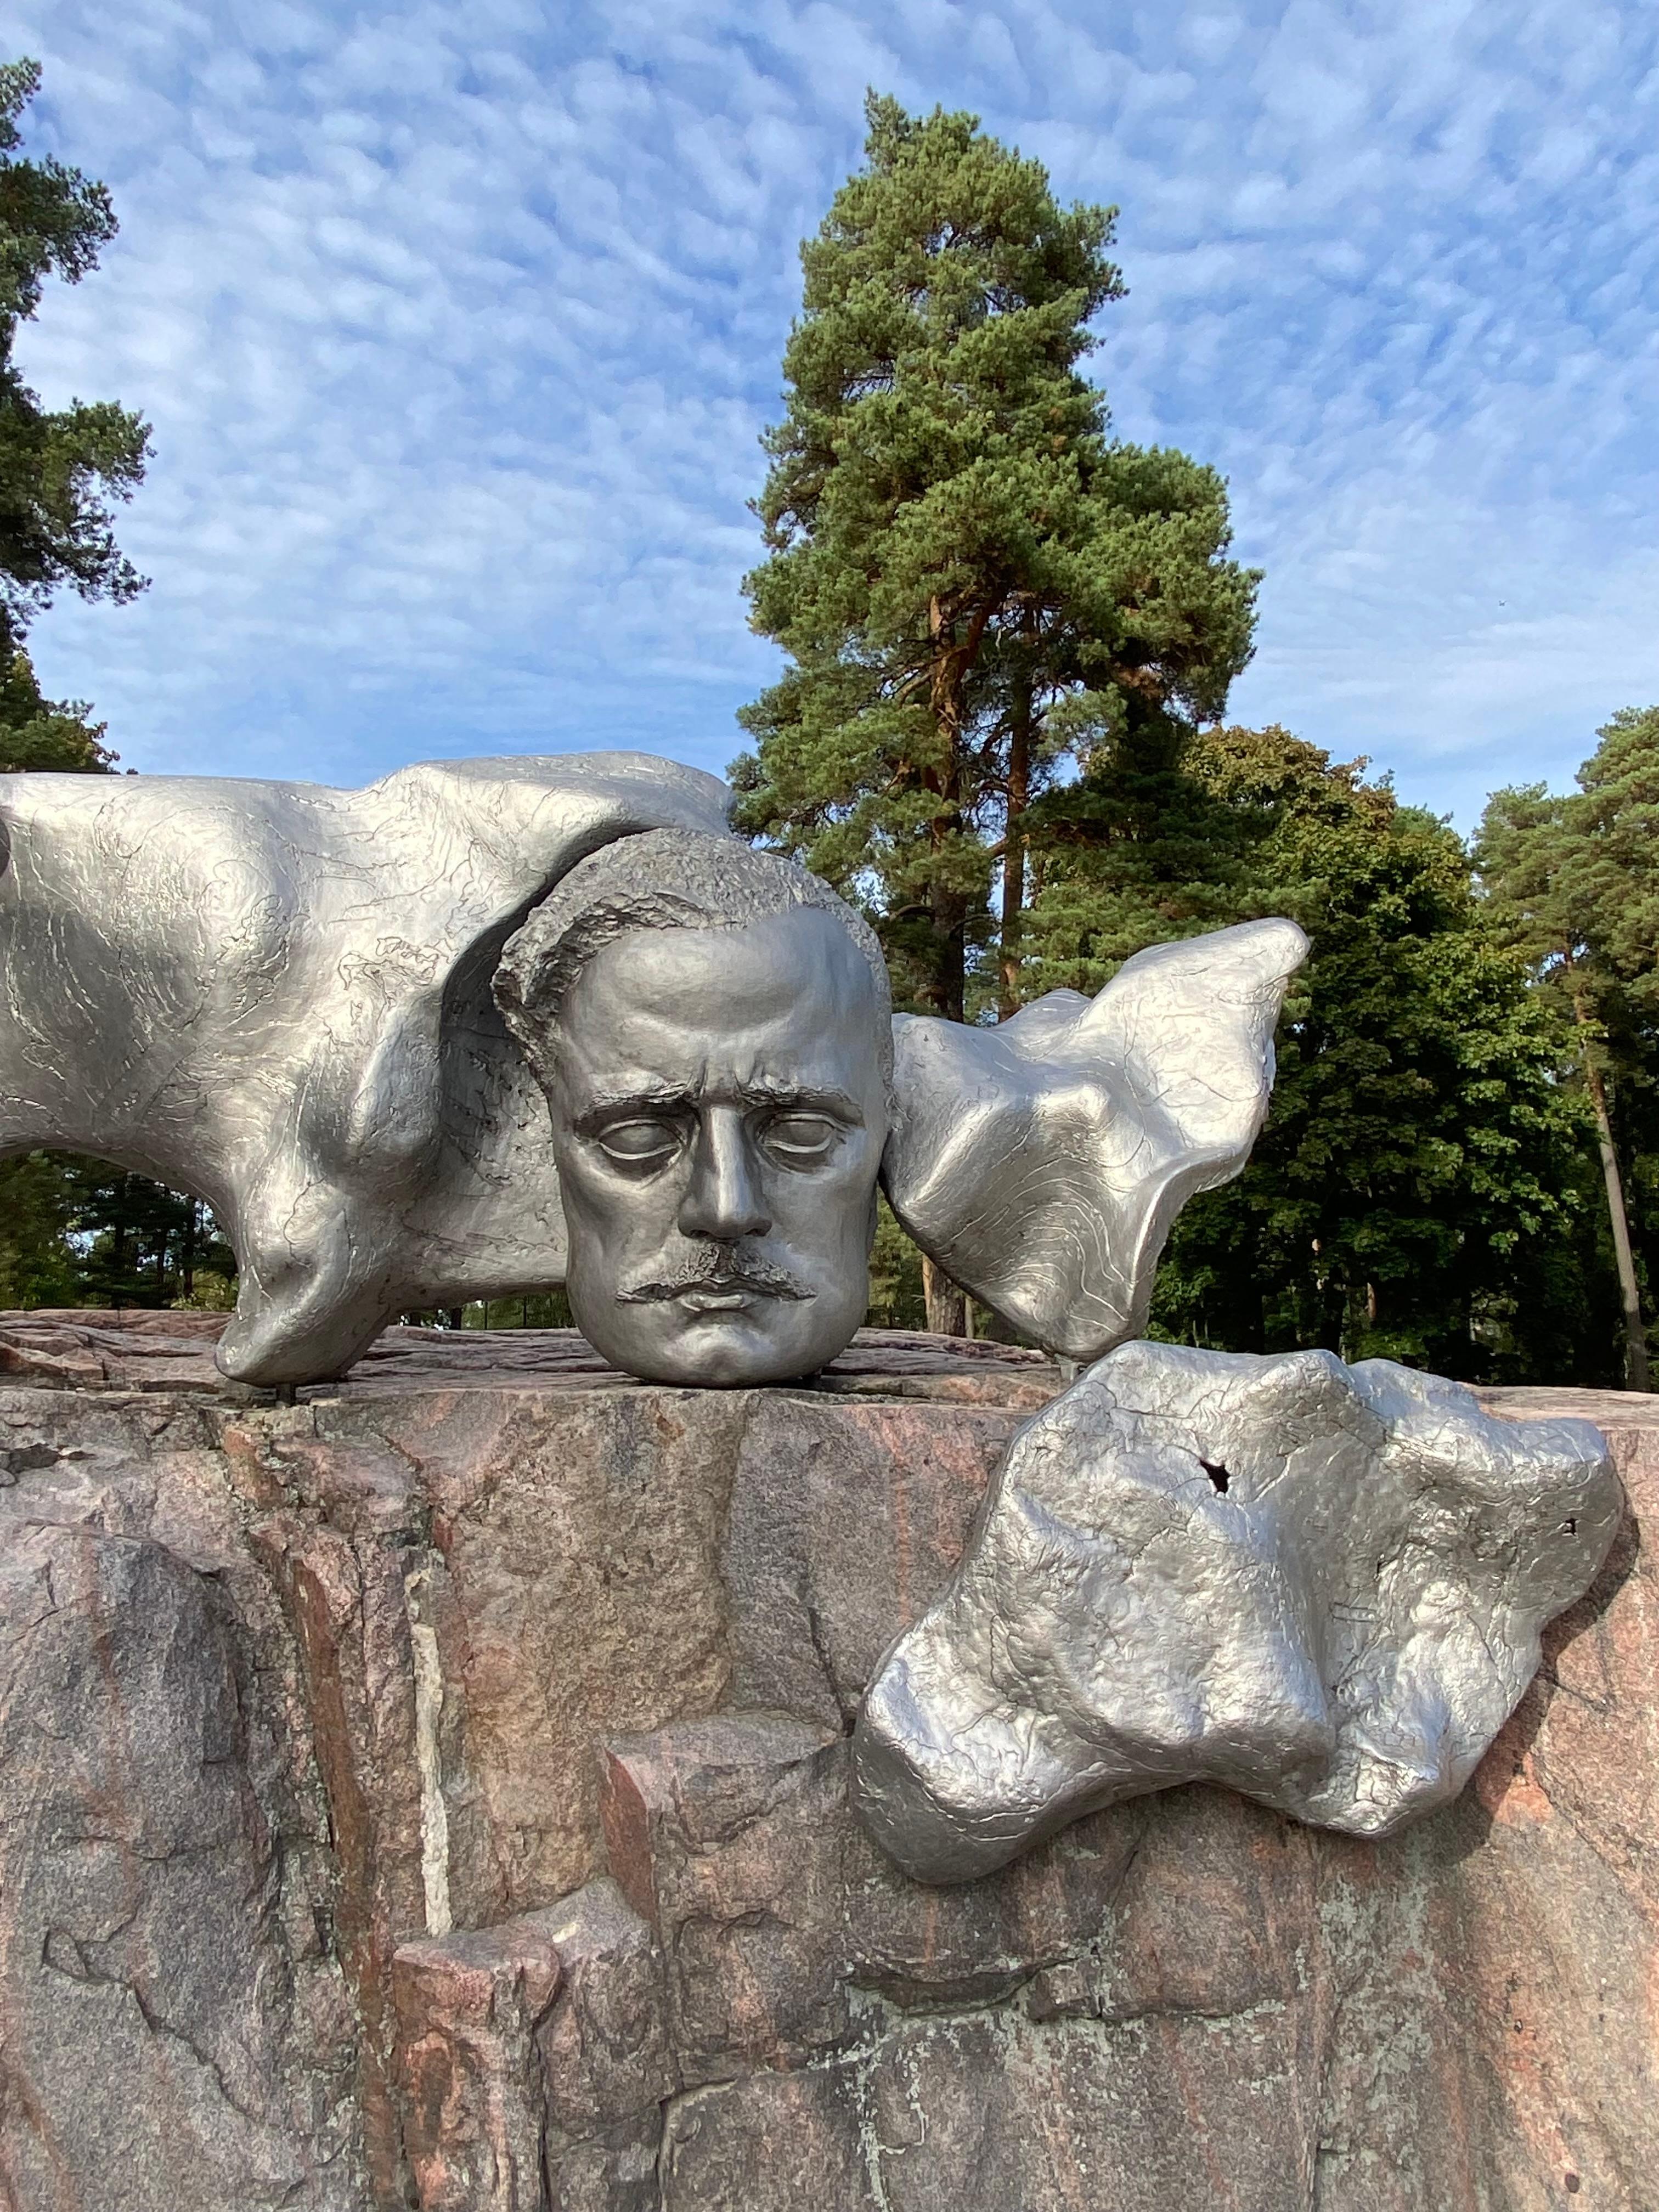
<point x="722" y="1290"/>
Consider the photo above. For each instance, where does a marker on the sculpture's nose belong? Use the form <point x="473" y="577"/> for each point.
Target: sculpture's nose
<point x="723" y="1198"/>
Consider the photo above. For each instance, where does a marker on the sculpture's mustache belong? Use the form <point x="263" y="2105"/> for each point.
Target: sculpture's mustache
<point x="729" y="1272"/>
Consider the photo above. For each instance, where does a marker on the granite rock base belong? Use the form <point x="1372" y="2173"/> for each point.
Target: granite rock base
<point x="433" y="1793"/>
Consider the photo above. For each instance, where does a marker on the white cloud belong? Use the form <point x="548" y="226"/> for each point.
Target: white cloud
<point x="457" y="331"/>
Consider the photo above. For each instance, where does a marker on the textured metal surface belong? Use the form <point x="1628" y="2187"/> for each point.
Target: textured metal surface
<point x="1043" y="1161"/>
<point x="1323" y="1586"/>
<point x="277" y="995"/>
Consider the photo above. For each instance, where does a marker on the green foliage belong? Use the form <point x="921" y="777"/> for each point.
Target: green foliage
<point x="45" y="733"/>
<point x="59" y="470"/>
<point x="896" y="1297"/>
<point x="1614" y="869"/>
<point x="37" y="1267"/>
<point x="974" y="588"/>
<point x="52" y="218"/>
<point x="1142" y="848"/>
<point x="79" y="1232"/>
<point x="135" y="1243"/>
<point x="1571" y="884"/>
<point x="1416" y="1191"/>
<point x="545" y="1309"/>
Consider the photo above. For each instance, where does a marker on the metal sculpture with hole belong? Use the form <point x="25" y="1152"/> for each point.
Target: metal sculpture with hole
<point x="1321" y="1585"/>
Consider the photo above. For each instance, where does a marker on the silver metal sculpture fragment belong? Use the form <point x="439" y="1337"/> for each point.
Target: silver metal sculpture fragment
<point x="711" y="1026"/>
<point x="1322" y="1586"/>
<point x="1042" y="1163"/>
<point x="279" y="996"/>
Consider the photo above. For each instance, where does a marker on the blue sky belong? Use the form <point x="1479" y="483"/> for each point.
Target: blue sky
<point x="458" y="326"/>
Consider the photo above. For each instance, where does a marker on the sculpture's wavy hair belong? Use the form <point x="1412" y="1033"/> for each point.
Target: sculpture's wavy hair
<point x="662" y="879"/>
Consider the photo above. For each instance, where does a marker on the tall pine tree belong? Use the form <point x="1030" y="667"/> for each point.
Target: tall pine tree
<point x="60" y="468"/>
<point x="974" y="587"/>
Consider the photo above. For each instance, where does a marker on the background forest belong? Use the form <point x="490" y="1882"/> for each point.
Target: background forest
<point x="1001" y="727"/>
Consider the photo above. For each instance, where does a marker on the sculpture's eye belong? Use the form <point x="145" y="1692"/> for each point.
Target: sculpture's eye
<point x="800" y="1140"/>
<point x="639" y="1144"/>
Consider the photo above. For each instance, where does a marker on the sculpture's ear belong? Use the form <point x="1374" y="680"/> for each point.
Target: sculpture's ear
<point x="1042" y="1163"/>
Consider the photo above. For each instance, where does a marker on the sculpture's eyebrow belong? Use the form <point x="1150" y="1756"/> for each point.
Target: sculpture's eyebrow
<point x="607" y="1105"/>
<point x="801" y="1098"/>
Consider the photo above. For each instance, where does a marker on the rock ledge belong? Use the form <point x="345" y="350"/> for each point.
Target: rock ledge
<point x="433" y="1793"/>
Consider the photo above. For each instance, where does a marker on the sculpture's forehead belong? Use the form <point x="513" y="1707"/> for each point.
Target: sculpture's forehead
<point x="791" y="992"/>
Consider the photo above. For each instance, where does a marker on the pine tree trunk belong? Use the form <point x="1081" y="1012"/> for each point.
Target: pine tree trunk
<point x="947" y="1307"/>
<point x="945" y="1312"/>
<point x="1013" y="850"/>
<point x="950" y="662"/>
<point x="1630" y="1297"/>
<point x="952" y="994"/>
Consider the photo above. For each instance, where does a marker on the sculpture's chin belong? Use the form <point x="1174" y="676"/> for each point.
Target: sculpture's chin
<point x="721" y="1351"/>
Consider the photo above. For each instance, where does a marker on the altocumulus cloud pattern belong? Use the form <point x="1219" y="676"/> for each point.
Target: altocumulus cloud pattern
<point x="456" y="328"/>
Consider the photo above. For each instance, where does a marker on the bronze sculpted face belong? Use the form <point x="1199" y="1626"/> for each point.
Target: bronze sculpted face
<point x="712" y="1030"/>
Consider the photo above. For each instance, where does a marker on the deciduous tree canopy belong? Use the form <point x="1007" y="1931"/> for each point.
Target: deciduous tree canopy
<point x="1419" y="1192"/>
<point x="1572" y="884"/>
